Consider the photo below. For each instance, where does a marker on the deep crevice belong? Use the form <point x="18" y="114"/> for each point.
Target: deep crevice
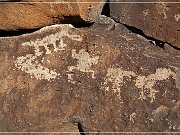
<point x="10" y="0"/>
<point x="152" y="40"/>
<point x="82" y="24"/>
<point x="172" y="46"/>
<point x="80" y="128"/>
<point x="4" y="33"/>
<point x="76" y="21"/>
<point x="106" y="9"/>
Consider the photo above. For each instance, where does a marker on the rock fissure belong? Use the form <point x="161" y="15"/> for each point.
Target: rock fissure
<point x="80" y="128"/>
<point x="133" y="29"/>
<point x="4" y="33"/>
<point x="152" y="40"/>
<point x="75" y="21"/>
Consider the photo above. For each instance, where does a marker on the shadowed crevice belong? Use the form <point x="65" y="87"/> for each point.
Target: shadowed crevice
<point x="106" y="9"/>
<point x="4" y="33"/>
<point x="152" y="40"/>
<point x="10" y="0"/>
<point x="80" y="128"/>
<point x="76" y="21"/>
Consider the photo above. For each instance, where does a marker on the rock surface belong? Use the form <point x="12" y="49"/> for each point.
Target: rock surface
<point x="158" y="20"/>
<point x="92" y="79"/>
<point x="30" y="15"/>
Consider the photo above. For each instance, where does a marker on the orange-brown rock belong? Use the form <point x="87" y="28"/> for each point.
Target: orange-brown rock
<point x="30" y="15"/>
<point x="160" y="20"/>
<point x="94" y="79"/>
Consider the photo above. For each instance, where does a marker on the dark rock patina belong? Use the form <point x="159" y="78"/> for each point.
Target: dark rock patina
<point x="97" y="79"/>
<point x="159" y="20"/>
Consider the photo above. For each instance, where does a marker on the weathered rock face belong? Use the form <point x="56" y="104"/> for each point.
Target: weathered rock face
<point x="29" y="15"/>
<point x="101" y="80"/>
<point x="158" y="20"/>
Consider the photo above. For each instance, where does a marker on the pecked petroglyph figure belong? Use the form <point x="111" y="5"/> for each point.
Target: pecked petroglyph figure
<point x="29" y="62"/>
<point x="145" y="84"/>
<point x="85" y="62"/>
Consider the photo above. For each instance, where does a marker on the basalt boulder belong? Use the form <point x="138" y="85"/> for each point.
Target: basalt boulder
<point x="61" y="78"/>
<point x="160" y="20"/>
<point x="30" y="14"/>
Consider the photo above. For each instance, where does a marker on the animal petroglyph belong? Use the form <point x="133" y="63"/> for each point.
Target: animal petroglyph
<point x="29" y="62"/>
<point x="51" y="40"/>
<point x="146" y="83"/>
<point x="84" y="63"/>
<point x="115" y="76"/>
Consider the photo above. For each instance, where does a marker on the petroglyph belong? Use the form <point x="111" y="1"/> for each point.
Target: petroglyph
<point x="51" y="40"/>
<point x="29" y="63"/>
<point x="132" y="117"/>
<point x="162" y="9"/>
<point x="146" y="12"/>
<point x="115" y="76"/>
<point x="146" y="83"/>
<point x="84" y="63"/>
<point x="177" y="17"/>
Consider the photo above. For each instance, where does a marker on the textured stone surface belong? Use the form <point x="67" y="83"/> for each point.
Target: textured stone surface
<point x="158" y="20"/>
<point x="31" y="15"/>
<point x="106" y="80"/>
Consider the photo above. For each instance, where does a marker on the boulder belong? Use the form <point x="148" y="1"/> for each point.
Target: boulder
<point x="29" y="14"/>
<point x="159" y="20"/>
<point x="64" y="79"/>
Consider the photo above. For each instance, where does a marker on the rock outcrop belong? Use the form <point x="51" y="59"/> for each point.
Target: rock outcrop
<point x="28" y="14"/>
<point x="159" y="20"/>
<point x="100" y="79"/>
